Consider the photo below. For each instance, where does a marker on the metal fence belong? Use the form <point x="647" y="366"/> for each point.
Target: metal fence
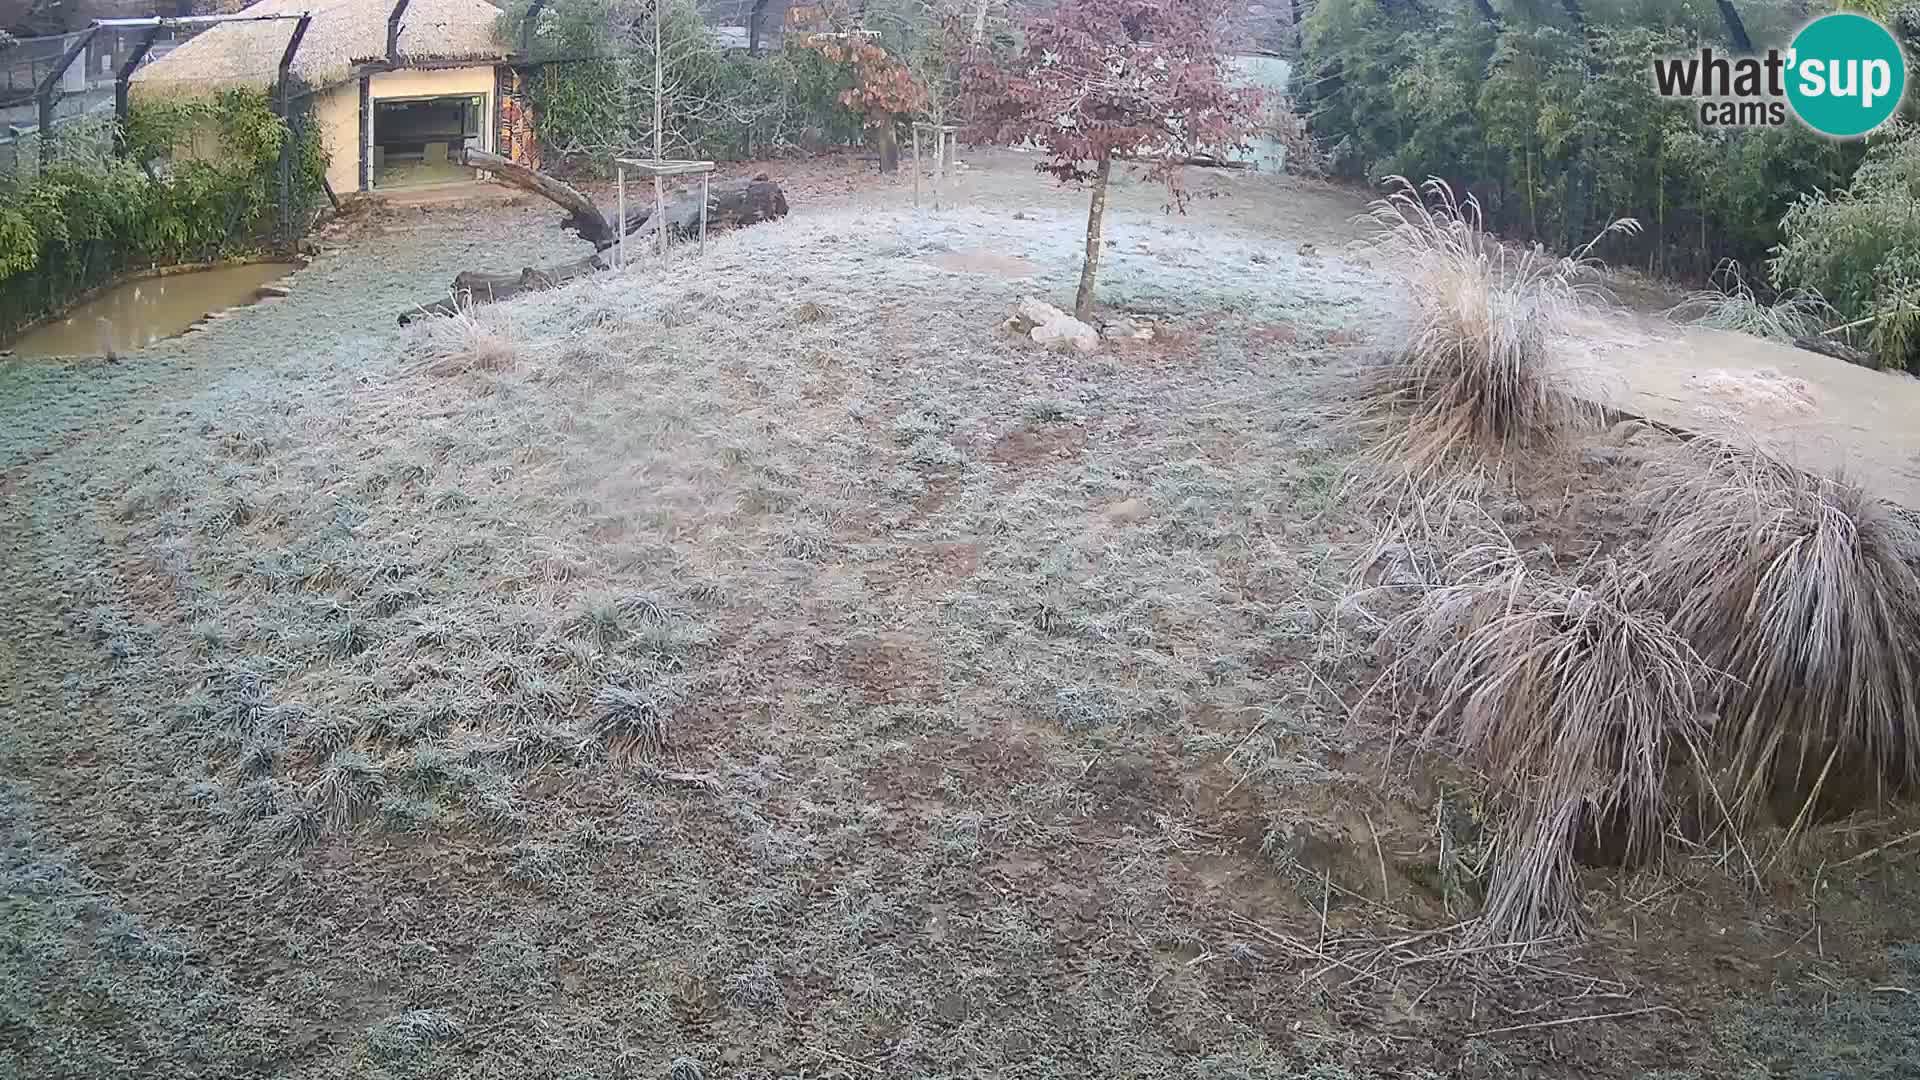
<point x="66" y="98"/>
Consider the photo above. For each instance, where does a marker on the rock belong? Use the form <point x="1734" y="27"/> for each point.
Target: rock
<point x="1626" y="432"/>
<point x="1019" y="215"/>
<point x="1049" y="326"/>
<point x="267" y="292"/>
<point x="1066" y="333"/>
<point x="1129" y="511"/>
<point x="1125" y="329"/>
<point x="1605" y="456"/>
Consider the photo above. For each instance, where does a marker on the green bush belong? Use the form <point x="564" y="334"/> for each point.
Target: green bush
<point x="1556" y="131"/>
<point x="726" y="106"/>
<point x="74" y="227"/>
<point x="1860" y="249"/>
<point x="592" y="95"/>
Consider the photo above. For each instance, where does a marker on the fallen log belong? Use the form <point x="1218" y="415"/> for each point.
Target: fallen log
<point x="730" y="205"/>
<point x="1839" y="351"/>
<point x="582" y="217"/>
<point x="472" y="287"/>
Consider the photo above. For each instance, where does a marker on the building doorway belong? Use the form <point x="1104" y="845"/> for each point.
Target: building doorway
<point x="417" y="141"/>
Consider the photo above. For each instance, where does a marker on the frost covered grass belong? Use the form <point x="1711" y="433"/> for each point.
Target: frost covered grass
<point x="733" y="659"/>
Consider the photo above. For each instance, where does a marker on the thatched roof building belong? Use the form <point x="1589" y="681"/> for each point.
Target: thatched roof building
<point x="344" y="36"/>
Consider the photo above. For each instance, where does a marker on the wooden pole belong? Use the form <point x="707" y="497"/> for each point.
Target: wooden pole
<point x="620" y="250"/>
<point x="939" y="163"/>
<point x="659" y="135"/>
<point x="916" y="164"/>
<point x="704" y="198"/>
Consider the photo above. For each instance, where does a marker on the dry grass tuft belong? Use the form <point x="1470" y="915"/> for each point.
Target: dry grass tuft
<point x="1475" y="378"/>
<point x="1729" y="303"/>
<point x="471" y="339"/>
<point x="1806" y="590"/>
<point x="1576" y="698"/>
<point x="633" y="721"/>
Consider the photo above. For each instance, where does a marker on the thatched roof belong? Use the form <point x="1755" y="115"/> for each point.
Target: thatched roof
<point x="343" y="35"/>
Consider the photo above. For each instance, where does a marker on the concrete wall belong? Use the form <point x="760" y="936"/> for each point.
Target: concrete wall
<point x="1271" y="74"/>
<point x="441" y="82"/>
<point x="337" y="111"/>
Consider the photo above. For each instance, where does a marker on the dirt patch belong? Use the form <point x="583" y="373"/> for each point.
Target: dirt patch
<point x="1029" y="448"/>
<point x="980" y="261"/>
<point x="1760" y="392"/>
<point x="1818" y="411"/>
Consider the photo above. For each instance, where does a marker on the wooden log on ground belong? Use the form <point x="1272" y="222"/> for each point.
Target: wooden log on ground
<point x="582" y="216"/>
<point x="1839" y="351"/>
<point x="472" y="287"/>
<point x="730" y="205"/>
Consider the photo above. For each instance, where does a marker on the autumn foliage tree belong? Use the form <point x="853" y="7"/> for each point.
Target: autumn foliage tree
<point x="883" y="87"/>
<point x="1099" y="81"/>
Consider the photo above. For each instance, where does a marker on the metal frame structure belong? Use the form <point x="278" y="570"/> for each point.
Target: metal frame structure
<point x="658" y="168"/>
<point x="942" y="140"/>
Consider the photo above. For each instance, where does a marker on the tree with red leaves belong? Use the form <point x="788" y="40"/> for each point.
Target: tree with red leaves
<point x="1099" y="81"/>
<point x="883" y="87"/>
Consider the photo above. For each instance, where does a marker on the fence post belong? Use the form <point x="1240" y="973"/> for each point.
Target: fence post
<point x="286" y="117"/>
<point x="528" y="25"/>
<point x="122" y="101"/>
<point x="49" y="89"/>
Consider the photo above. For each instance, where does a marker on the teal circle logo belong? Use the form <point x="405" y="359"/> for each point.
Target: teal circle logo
<point x="1845" y="75"/>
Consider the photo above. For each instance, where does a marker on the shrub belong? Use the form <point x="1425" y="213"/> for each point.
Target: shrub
<point x="1860" y="248"/>
<point x="1580" y="702"/>
<point x="1730" y="303"/>
<point x="75" y="226"/>
<point x="1556" y="125"/>
<point x="1475" y="376"/>
<point x="1805" y="590"/>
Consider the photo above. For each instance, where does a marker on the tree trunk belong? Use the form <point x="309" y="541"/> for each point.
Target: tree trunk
<point x="1736" y="29"/>
<point x="1485" y="8"/>
<point x="1096" y="213"/>
<point x="980" y="21"/>
<point x="753" y="27"/>
<point x="887" y="141"/>
<point x="472" y="287"/>
<point x="1580" y="178"/>
<point x="582" y="216"/>
<point x="730" y="204"/>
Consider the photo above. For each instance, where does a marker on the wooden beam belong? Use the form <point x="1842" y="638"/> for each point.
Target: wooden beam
<point x="49" y="90"/>
<point x="393" y="30"/>
<point x="122" y="80"/>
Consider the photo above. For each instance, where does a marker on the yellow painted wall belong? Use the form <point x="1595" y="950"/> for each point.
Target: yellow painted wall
<point x="337" y="111"/>
<point x="440" y="82"/>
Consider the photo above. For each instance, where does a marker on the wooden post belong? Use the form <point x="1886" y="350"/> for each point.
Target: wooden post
<point x="620" y="244"/>
<point x="916" y="164"/>
<point x="659" y="137"/>
<point x="939" y="163"/>
<point x="704" y="199"/>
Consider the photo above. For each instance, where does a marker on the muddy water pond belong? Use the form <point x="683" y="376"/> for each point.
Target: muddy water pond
<point x="137" y="313"/>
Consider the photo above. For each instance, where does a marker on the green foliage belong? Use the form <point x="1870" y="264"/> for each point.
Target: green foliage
<point x="594" y="96"/>
<point x="1557" y="131"/>
<point x="1860" y="248"/>
<point x="74" y="227"/>
<point x="732" y="106"/>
